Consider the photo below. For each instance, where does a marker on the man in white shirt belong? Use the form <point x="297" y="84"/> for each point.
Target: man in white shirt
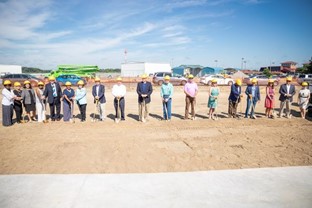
<point x="7" y="103"/>
<point x="287" y="91"/>
<point x="119" y="92"/>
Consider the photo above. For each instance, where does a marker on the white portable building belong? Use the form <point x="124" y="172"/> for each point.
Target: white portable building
<point x="138" y="68"/>
<point x="10" y="69"/>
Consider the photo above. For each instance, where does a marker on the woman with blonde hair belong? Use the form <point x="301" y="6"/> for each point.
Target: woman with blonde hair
<point x="303" y="98"/>
<point x="269" y="99"/>
<point x="213" y="96"/>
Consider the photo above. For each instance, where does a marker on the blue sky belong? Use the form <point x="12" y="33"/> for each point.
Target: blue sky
<point x="47" y="33"/>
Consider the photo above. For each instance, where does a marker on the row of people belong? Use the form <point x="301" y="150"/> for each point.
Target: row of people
<point x="35" y="100"/>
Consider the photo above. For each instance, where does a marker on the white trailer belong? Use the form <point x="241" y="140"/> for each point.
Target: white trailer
<point x="138" y="68"/>
<point x="10" y="69"/>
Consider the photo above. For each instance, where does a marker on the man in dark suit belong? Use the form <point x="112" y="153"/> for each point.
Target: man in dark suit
<point x="235" y="98"/>
<point x="253" y="96"/>
<point x="98" y="92"/>
<point x="144" y="90"/>
<point x="287" y="91"/>
<point x="53" y="94"/>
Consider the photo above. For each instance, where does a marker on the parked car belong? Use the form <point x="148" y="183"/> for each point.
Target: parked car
<point x="221" y="80"/>
<point x="262" y="79"/>
<point x="304" y="78"/>
<point x="21" y="78"/>
<point x="62" y="79"/>
<point x="175" y="79"/>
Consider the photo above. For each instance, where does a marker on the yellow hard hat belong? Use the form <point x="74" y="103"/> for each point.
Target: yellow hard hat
<point x="238" y="82"/>
<point x="167" y="77"/>
<point x="289" y="79"/>
<point x="119" y="79"/>
<point x="40" y="83"/>
<point x="51" y="78"/>
<point x="191" y="76"/>
<point x="254" y="80"/>
<point x="17" y="84"/>
<point x="68" y="84"/>
<point x="271" y="81"/>
<point x="97" y="79"/>
<point x="7" y="82"/>
<point x="144" y="76"/>
<point x="214" y="81"/>
<point x="304" y="84"/>
<point x="26" y="82"/>
<point x="80" y="82"/>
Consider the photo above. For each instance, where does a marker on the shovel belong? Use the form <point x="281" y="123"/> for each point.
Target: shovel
<point x="96" y="107"/>
<point x="166" y="110"/>
<point x="253" y="109"/>
<point x="72" y="119"/>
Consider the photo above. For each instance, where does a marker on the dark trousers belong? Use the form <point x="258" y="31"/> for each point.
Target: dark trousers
<point x="233" y="108"/>
<point x="190" y="101"/>
<point x="82" y="109"/>
<point x="121" y="106"/>
<point x="56" y="105"/>
<point x="18" y="112"/>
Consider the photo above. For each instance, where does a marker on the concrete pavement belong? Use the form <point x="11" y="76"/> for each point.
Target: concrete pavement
<point x="265" y="187"/>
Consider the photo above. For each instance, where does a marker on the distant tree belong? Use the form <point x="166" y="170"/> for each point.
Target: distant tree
<point x="33" y="70"/>
<point x="302" y="70"/>
<point x="267" y="72"/>
<point x="309" y="67"/>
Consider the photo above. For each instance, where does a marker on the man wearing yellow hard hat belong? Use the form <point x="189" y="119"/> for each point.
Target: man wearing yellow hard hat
<point x="287" y="91"/>
<point x="119" y="91"/>
<point x="190" y="90"/>
<point x="8" y="98"/>
<point x="253" y="97"/>
<point x="144" y="90"/>
<point x="53" y="94"/>
<point x="303" y="99"/>
<point x="98" y="92"/>
<point x="18" y="105"/>
<point x="166" y="92"/>
<point x="235" y="98"/>
<point x="40" y="103"/>
<point x="29" y="100"/>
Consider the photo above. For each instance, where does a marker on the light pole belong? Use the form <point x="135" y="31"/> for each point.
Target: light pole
<point x="216" y="63"/>
<point x="245" y="64"/>
<point x="242" y="63"/>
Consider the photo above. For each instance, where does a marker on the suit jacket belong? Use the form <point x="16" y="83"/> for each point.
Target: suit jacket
<point x="236" y="90"/>
<point x="48" y="92"/>
<point x="283" y="91"/>
<point x="144" y="91"/>
<point x="101" y="94"/>
<point x="249" y="92"/>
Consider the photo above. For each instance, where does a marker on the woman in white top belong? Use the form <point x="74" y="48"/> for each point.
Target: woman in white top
<point x="40" y="105"/>
<point x="303" y="98"/>
<point x="7" y="103"/>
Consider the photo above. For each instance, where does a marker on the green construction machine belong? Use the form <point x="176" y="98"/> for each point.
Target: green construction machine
<point x="86" y="71"/>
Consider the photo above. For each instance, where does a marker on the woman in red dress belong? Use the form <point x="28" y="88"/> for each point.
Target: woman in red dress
<point x="269" y="99"/>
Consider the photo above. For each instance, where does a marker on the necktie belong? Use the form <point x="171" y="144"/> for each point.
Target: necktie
<point x="54" y="90"/>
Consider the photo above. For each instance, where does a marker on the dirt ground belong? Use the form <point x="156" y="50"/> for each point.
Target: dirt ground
<point x="157" y="146"/>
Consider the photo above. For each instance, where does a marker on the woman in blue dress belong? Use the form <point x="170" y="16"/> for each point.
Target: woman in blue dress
<point x="213" y="96"/>
<point x="68" y="102"/>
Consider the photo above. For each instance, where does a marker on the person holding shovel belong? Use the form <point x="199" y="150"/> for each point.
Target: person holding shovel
<point x="119" y="92"/>
<point x="166" y="92"/>
<point x="214" y="92"/>
<point x="190" y="90"/>
<point x="269" y="99"/>
<point x="81" y="99"/>
<point x="18" y="105"/>
<point x="98" y="92"/>
<point x="68" y="102"/>
<point x="235" y="98"/>
<point x="29" y="99"/>
<point x="40" y="103"/>
<point x="8" y="98"/>
<point x="144" y="90"/>
<point x="287" y="91"/>
<point x="253" y="96"/>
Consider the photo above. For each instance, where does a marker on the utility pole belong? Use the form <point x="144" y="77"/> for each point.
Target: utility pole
<point x="242" y="63"/>
<point x="126" y="55"/>
<point x="216" y="63"/>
